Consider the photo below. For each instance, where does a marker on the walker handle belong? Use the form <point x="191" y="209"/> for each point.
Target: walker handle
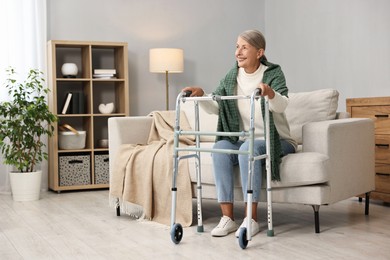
<point x="187" y="93"/>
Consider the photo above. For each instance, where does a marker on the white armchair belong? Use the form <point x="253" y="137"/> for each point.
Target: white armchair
<point x="335" y="159"/>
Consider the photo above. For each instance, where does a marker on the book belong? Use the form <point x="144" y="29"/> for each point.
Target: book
<point x="81" y="103"/>
<point x="104" y="71"/>
<point x="104" y="76"/>
<point x="65" y="107"/>
<point x="75" y="103"/>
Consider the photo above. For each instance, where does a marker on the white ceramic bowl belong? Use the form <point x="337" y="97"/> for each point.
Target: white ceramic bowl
<point x="69" y="140"/>
<point x="103" y="143"/>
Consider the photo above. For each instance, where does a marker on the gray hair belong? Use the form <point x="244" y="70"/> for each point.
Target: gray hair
<point x="254" y="38"/>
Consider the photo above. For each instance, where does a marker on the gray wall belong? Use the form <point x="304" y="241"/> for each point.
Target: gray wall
<point x="206" y="30"/>
<point x="341" y="44"/>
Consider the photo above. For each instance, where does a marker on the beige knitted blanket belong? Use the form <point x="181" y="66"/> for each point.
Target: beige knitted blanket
<point x="142" y="174"/>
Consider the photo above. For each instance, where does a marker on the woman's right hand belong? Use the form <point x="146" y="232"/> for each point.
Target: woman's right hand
<point x="195" y="91"/>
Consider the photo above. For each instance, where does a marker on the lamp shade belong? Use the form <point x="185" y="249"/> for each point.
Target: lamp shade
<point x="166" y="59"/>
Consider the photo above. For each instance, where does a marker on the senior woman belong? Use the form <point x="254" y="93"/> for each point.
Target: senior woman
<point x="251" y="71"/>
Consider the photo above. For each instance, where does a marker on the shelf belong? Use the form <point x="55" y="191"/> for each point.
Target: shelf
<point x="74" y="115"/>
<point x="101" y="149"/>
<point x="108" y="80"/>
<point x="89" y="115"/>
<point x="109" y="115"/>
<point x="75" y="151"/>
<point x="82" y="187"/>
<point x="83" y="112"/>
<point x="72" y="79"/>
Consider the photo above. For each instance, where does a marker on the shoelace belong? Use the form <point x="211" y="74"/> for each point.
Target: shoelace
<point x="223" y="224"/>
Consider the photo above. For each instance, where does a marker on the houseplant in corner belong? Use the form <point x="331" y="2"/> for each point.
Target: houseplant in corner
<point x="24" y="120"/>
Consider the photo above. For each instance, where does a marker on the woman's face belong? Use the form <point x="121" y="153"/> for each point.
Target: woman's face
<point x="247" y="56"/>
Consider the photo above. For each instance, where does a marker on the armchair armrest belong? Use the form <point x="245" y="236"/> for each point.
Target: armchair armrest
<point x="350" y="146"/>
<point x="127" y="130"/>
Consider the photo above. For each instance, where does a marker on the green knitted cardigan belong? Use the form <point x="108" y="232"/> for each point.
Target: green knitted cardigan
<point x="229" y="116"/>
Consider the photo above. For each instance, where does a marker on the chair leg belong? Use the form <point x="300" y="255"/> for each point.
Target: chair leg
<point x="118" y="208"/>
<point x="316" y="209"/>
<point x="367" y="204"/>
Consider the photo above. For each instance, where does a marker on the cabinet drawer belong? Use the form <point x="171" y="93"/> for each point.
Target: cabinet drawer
<point x="382" y="183"/>
<point x="382" y="149"/>
<point x="380" y="114"/>
<point x="382" y="168"/>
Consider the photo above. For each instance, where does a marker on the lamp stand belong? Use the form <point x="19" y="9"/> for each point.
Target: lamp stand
<point x="166" y="91"/>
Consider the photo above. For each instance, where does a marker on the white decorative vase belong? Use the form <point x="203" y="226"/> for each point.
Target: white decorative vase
<point x="69" y="70"/>
<point x="106" y="108"/>
<point x="25" y="186"/>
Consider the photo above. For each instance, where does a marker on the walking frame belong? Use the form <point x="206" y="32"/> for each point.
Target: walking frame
<point x="245" y="233"/>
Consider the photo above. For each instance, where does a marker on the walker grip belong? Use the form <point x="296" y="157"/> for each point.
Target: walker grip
<point x="187" y="93"/>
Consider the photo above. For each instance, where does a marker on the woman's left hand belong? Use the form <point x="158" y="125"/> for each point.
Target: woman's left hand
<point x="266" y="91"/>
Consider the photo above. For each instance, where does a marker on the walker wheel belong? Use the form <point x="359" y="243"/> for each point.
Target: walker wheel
<point x="242" y="238"/>
<point x="176" y="233"/>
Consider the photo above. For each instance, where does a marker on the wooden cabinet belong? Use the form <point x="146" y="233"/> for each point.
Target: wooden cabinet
<point x="86" y="168"/>
<point x="377" y="109"/>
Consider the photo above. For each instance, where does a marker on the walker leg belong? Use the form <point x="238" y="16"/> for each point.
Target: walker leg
<point x="198" y="172"/>
<point x="245" y="234"/>
<point x="249" y="215"/>
<point x="270" y="231"/>
<point x="173" y="208"/>
<point x="200" y="227"/>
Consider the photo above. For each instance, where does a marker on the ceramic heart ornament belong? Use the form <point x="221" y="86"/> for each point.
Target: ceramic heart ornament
<point x="106" y="108"/>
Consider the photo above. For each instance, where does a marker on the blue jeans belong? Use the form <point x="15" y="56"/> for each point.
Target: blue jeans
<point x="223" y="168"/>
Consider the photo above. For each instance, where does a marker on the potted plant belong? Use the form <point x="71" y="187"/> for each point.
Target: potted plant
<point x="24" y="120"/>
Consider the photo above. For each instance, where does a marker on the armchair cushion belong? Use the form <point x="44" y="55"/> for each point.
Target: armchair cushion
<point x="296" y="169"/>
<point x="307" y="107"/>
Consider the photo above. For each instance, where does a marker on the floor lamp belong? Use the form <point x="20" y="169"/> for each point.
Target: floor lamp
<point x="166" y="60"/>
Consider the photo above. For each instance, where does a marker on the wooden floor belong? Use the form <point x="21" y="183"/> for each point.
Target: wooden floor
<point x="80" y="225"/>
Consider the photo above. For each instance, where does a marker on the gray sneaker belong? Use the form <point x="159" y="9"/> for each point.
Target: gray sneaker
<point x="226" y="225"/>
<point x="255" y="227"/>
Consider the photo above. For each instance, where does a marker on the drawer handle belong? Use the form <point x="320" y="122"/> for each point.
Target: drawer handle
<point x="382" y="146"/>
<point x="75" y="161"/>
<point x="382" y="116"/>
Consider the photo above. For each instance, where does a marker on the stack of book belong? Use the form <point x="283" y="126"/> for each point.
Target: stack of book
<point x="73" y="103"/>
<point x="104" y="73"/>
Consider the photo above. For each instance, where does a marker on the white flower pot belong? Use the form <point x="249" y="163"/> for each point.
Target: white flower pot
<point x="25" y="186"/>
